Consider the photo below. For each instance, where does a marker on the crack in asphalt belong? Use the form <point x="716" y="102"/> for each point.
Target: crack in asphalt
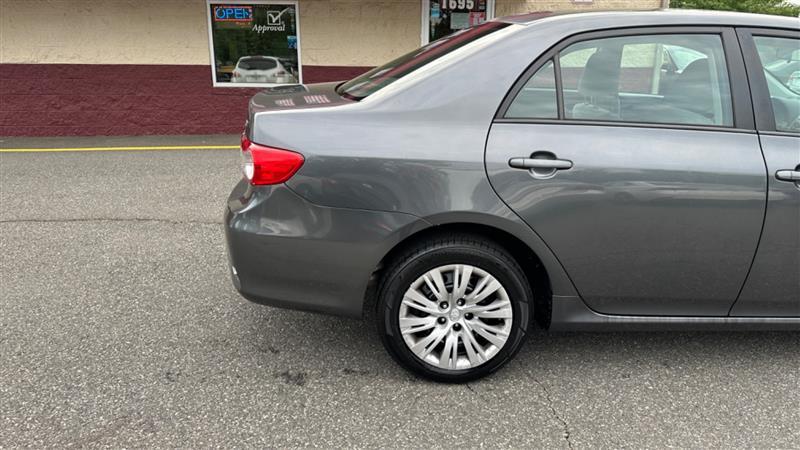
<point x="471" y="389"/>
<point x="550" y="403"/>
<point x="113" y="219"/>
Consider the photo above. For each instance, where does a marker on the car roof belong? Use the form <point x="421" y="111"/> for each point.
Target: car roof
<point x="613" y="19"/>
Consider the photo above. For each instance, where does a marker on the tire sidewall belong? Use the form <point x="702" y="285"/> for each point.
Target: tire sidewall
<point x="401" y="278"/>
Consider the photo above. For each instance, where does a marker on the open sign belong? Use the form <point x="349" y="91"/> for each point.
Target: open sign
<point x="228" y="13"/>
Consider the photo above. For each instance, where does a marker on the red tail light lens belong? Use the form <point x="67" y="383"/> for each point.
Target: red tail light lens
<point x="264" y="165"/>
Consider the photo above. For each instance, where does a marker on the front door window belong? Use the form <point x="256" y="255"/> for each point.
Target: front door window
<point x="443" y="17"/>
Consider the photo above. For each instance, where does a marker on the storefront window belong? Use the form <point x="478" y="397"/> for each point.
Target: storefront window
<point x="444" y="17"/>
<point x="254" y="43"/>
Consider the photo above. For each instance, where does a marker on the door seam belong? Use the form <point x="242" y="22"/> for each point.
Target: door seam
<point x="766" y="175"/>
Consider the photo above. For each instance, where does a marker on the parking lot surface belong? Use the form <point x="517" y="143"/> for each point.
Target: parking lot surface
<point x="119" y="327"/>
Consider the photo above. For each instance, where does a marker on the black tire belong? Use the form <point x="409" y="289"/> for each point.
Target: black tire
<point x="435" y="252"/>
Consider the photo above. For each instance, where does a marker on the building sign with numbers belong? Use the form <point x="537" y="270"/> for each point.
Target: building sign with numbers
<point x="254" y="43"/>
<point x="448" y="16"/>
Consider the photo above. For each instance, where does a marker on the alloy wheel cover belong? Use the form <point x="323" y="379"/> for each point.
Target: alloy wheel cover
<point x="455" y="317"/>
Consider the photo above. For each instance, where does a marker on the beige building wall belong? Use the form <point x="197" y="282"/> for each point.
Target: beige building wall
<point x="103" y="31"/>
<point x="358" y="32"/>
<point x="332" y="32"/>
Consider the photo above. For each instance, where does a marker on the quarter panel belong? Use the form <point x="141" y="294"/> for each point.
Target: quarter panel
<point x="416" y="146"/>
<point x="290" y="253"/>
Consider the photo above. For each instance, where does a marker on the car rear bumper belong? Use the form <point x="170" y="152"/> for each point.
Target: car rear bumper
<point x="287" y="252"/>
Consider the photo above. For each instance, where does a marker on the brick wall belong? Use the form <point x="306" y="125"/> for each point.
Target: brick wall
<point x="118" y="100"/>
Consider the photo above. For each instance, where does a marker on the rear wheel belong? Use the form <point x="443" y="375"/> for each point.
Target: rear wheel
<point x="454" y="309"/>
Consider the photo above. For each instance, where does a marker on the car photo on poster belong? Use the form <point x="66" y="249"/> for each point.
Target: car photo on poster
<point x="264" y="69"/>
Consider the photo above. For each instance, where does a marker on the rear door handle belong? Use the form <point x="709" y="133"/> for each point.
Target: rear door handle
<point x="788" y="175"/>
<point x="531" y="163"/>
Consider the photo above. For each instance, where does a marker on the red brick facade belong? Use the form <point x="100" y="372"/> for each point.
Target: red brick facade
<point x="119" y="100"/>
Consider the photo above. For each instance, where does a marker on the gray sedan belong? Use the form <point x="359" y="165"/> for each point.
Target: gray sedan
<point x="594" y="171"/>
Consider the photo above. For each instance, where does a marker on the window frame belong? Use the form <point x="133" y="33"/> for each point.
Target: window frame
<point x="555" y="87"/>
<point x="762" y="101"/>
<point x="743" y="120"/>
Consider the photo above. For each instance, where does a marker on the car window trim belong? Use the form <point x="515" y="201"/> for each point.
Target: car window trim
<point x="559" y="91"/>
<point x="606" y="123"/>
<point x="743" y="120"/>
<point x="761" y="99"/>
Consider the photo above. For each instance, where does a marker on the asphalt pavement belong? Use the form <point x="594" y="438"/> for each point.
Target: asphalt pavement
<point x="119" y="327"/>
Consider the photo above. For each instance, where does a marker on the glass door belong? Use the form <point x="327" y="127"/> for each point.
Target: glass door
<point x="443" y="17"/>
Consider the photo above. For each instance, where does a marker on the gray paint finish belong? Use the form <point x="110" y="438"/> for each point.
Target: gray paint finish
<point x="773" y="287"/>
<point x="657" y="221"/>
<point x="305" y="256"/>
<point x="647" y="221"/>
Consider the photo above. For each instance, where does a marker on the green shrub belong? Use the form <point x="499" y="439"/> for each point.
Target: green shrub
<point x="778" y="7"/>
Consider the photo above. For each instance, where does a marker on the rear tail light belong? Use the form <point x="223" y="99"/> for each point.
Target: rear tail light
<point x="264" y="165"/>
<point x="236" y="75"/>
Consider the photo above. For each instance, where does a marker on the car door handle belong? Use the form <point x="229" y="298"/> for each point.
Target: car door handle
<point x="534" y="163"/>
<point x="788" y="175"/>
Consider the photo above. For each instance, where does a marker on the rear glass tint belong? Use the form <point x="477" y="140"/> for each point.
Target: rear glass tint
<point x="382" y="76"/>
<point x="257" y="64"/>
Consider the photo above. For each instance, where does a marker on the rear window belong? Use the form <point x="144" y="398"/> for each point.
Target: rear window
<point x="257" y="64"/>
<point x="380" y="77"/>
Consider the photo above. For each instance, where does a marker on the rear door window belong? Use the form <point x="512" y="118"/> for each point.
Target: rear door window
<point x="537" y="99"/>
<point x="663" y="78"/>
<point x="673" y="79"/>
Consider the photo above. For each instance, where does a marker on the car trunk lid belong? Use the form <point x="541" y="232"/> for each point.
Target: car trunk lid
<point x="296" y="97"/>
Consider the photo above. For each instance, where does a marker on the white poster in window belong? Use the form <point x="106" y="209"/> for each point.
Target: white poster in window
<point x="254" y="43"/>
<point x="476" y="18"/>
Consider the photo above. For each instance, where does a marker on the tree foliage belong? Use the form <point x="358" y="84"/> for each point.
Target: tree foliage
<point x="778" y="7"/>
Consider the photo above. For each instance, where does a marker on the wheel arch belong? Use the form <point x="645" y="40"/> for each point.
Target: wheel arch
<point x="545" y="274"/>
